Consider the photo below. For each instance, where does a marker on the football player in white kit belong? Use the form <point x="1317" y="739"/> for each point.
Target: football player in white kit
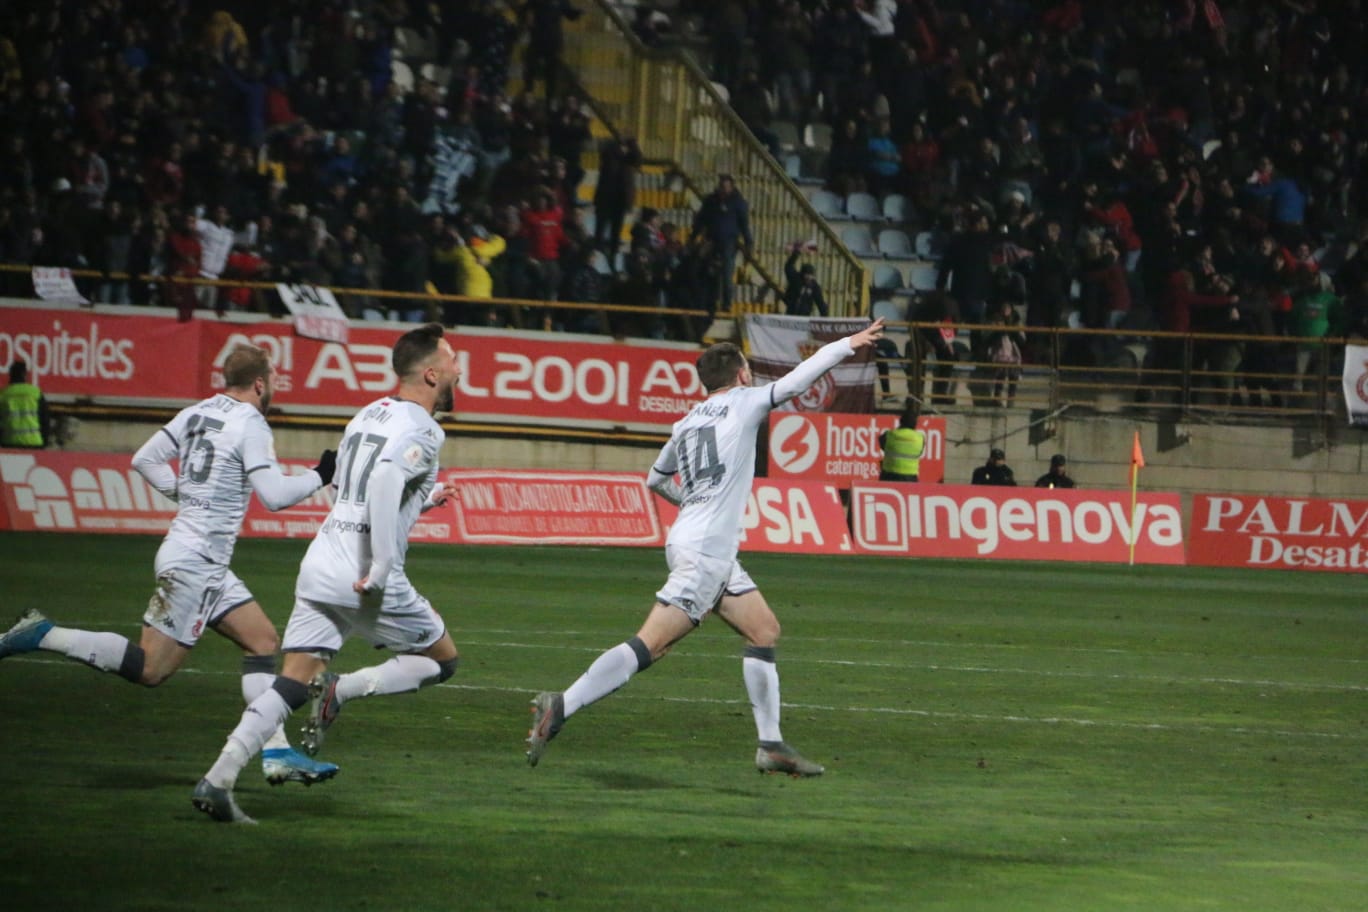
<point x="712" y="449"/>
<point x="225" y="452"/>
<point x="352" y="581"/>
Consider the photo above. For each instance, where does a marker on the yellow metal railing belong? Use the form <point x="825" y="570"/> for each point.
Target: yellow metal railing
<point x="665" y="100"/>
<point x="1167" y="375"/>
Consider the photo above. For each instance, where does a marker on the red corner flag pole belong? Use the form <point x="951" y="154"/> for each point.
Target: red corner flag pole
<point x="1137" y="463"/>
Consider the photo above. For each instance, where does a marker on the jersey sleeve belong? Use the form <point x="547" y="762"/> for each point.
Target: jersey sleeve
<point x="153" y="462"/>
<point x="273" y="488"/>
<point x="258" y="446"/>
<point x="414" y="451"/>
<point x="809" y="372"/>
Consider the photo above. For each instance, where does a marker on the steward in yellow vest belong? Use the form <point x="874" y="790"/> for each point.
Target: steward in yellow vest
<point x="902" y="448"/>
<point x="23" y="411"/>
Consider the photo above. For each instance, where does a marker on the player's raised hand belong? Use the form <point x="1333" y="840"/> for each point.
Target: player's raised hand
<point x="868" y="336"/>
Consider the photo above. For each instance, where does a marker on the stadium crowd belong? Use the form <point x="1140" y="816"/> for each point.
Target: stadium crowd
<point x="1174" y="164"/>
<point x="280" y="142"/>
<point x="1164" y="164"/>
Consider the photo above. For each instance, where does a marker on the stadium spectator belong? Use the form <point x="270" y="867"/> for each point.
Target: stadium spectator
<point x="802" y="293"/>
<point x="724" y="222"/>
<point x="615" y="194"/>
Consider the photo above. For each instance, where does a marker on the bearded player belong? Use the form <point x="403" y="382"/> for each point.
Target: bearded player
<point x="352" y="581"/>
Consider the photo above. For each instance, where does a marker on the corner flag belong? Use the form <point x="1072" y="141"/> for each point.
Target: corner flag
<point x="1137" y="463"/>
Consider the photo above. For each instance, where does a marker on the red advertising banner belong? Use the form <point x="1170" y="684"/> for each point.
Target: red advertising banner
<point x="1280" y="533"/>
<point x="1015" y="523"/>
<point x="797" y="517"/>
<point x="52" y="491"/>
<point x="535" y="377"/>
<point x="841" y="449"/>
<point x="553" y="508"/>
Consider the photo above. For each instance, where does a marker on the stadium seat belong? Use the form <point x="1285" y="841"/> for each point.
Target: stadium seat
<point x="927" y="245"/>
<point x="863" y="206"/>
<point x="793" y="166"/>
<point x="894" y="243"/>
<point x="402" y="75"/>
<point x="859" y="241"/>
<point x="599" y="261"/>
<point x="887" y="277"/>
<point x="817" y="136"/>
<point x="922" y="276"/>
<point x="897" y="208"/>
<point x="828" y="205"/>
<point x="890" y="310"/>
<point x="438" y="75"/>
<point x="787" y="133"/>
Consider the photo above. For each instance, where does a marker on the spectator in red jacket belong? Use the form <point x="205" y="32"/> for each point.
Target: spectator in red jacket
<point x="543" y="227"/>
<point x="183" y="256"/>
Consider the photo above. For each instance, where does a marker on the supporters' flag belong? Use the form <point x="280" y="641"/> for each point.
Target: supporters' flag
<point x="1137" y="454"/>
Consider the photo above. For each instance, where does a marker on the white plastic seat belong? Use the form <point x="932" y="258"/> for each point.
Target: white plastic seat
<point x="897" y="208"/>
<point x="863" y="206"/>
<point x="887" y="277"/>
<point x="859" y="241"/>
<point x="894" y="242"/>
<point x="828" y="205"/>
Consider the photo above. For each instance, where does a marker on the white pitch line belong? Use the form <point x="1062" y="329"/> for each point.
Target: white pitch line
<point x="965" y="669"/>
<point x="879" y="710"/>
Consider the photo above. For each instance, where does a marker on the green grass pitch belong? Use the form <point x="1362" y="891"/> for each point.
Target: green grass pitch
<point x="997" y="736"/>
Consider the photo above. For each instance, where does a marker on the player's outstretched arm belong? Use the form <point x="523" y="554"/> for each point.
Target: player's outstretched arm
<point x="276" y="490"/>
<point x="824" y="359"/>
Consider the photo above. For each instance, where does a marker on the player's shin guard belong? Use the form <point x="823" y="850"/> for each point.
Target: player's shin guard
<point x="258" y="674"/>
<point x="103" y="651"/>
<point x="259" y="720"/>
<point x="609" y="672"/>
<point x="762" y="685"/>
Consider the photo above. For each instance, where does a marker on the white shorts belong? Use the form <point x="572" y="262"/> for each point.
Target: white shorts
<point x="320" y="627"/>
<point x="192" y="593"/>
<point x="697" y="582"/>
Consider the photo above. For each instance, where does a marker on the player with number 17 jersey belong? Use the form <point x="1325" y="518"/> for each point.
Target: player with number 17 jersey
<point x="388" y="430"/>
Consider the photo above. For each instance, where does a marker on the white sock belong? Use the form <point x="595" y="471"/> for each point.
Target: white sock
<point x="104" y="651"/>
<point x="401" y="674"/>
<point x="254" y="684"/>
<point x="262" y="716"/>
<point x="609" y="672"/>
<point x="762" y="684"/>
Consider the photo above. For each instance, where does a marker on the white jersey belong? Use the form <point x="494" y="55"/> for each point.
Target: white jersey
<point x="713" y="450"/>
<point x="219" y="442"/>
<point x="387" y="430"/>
